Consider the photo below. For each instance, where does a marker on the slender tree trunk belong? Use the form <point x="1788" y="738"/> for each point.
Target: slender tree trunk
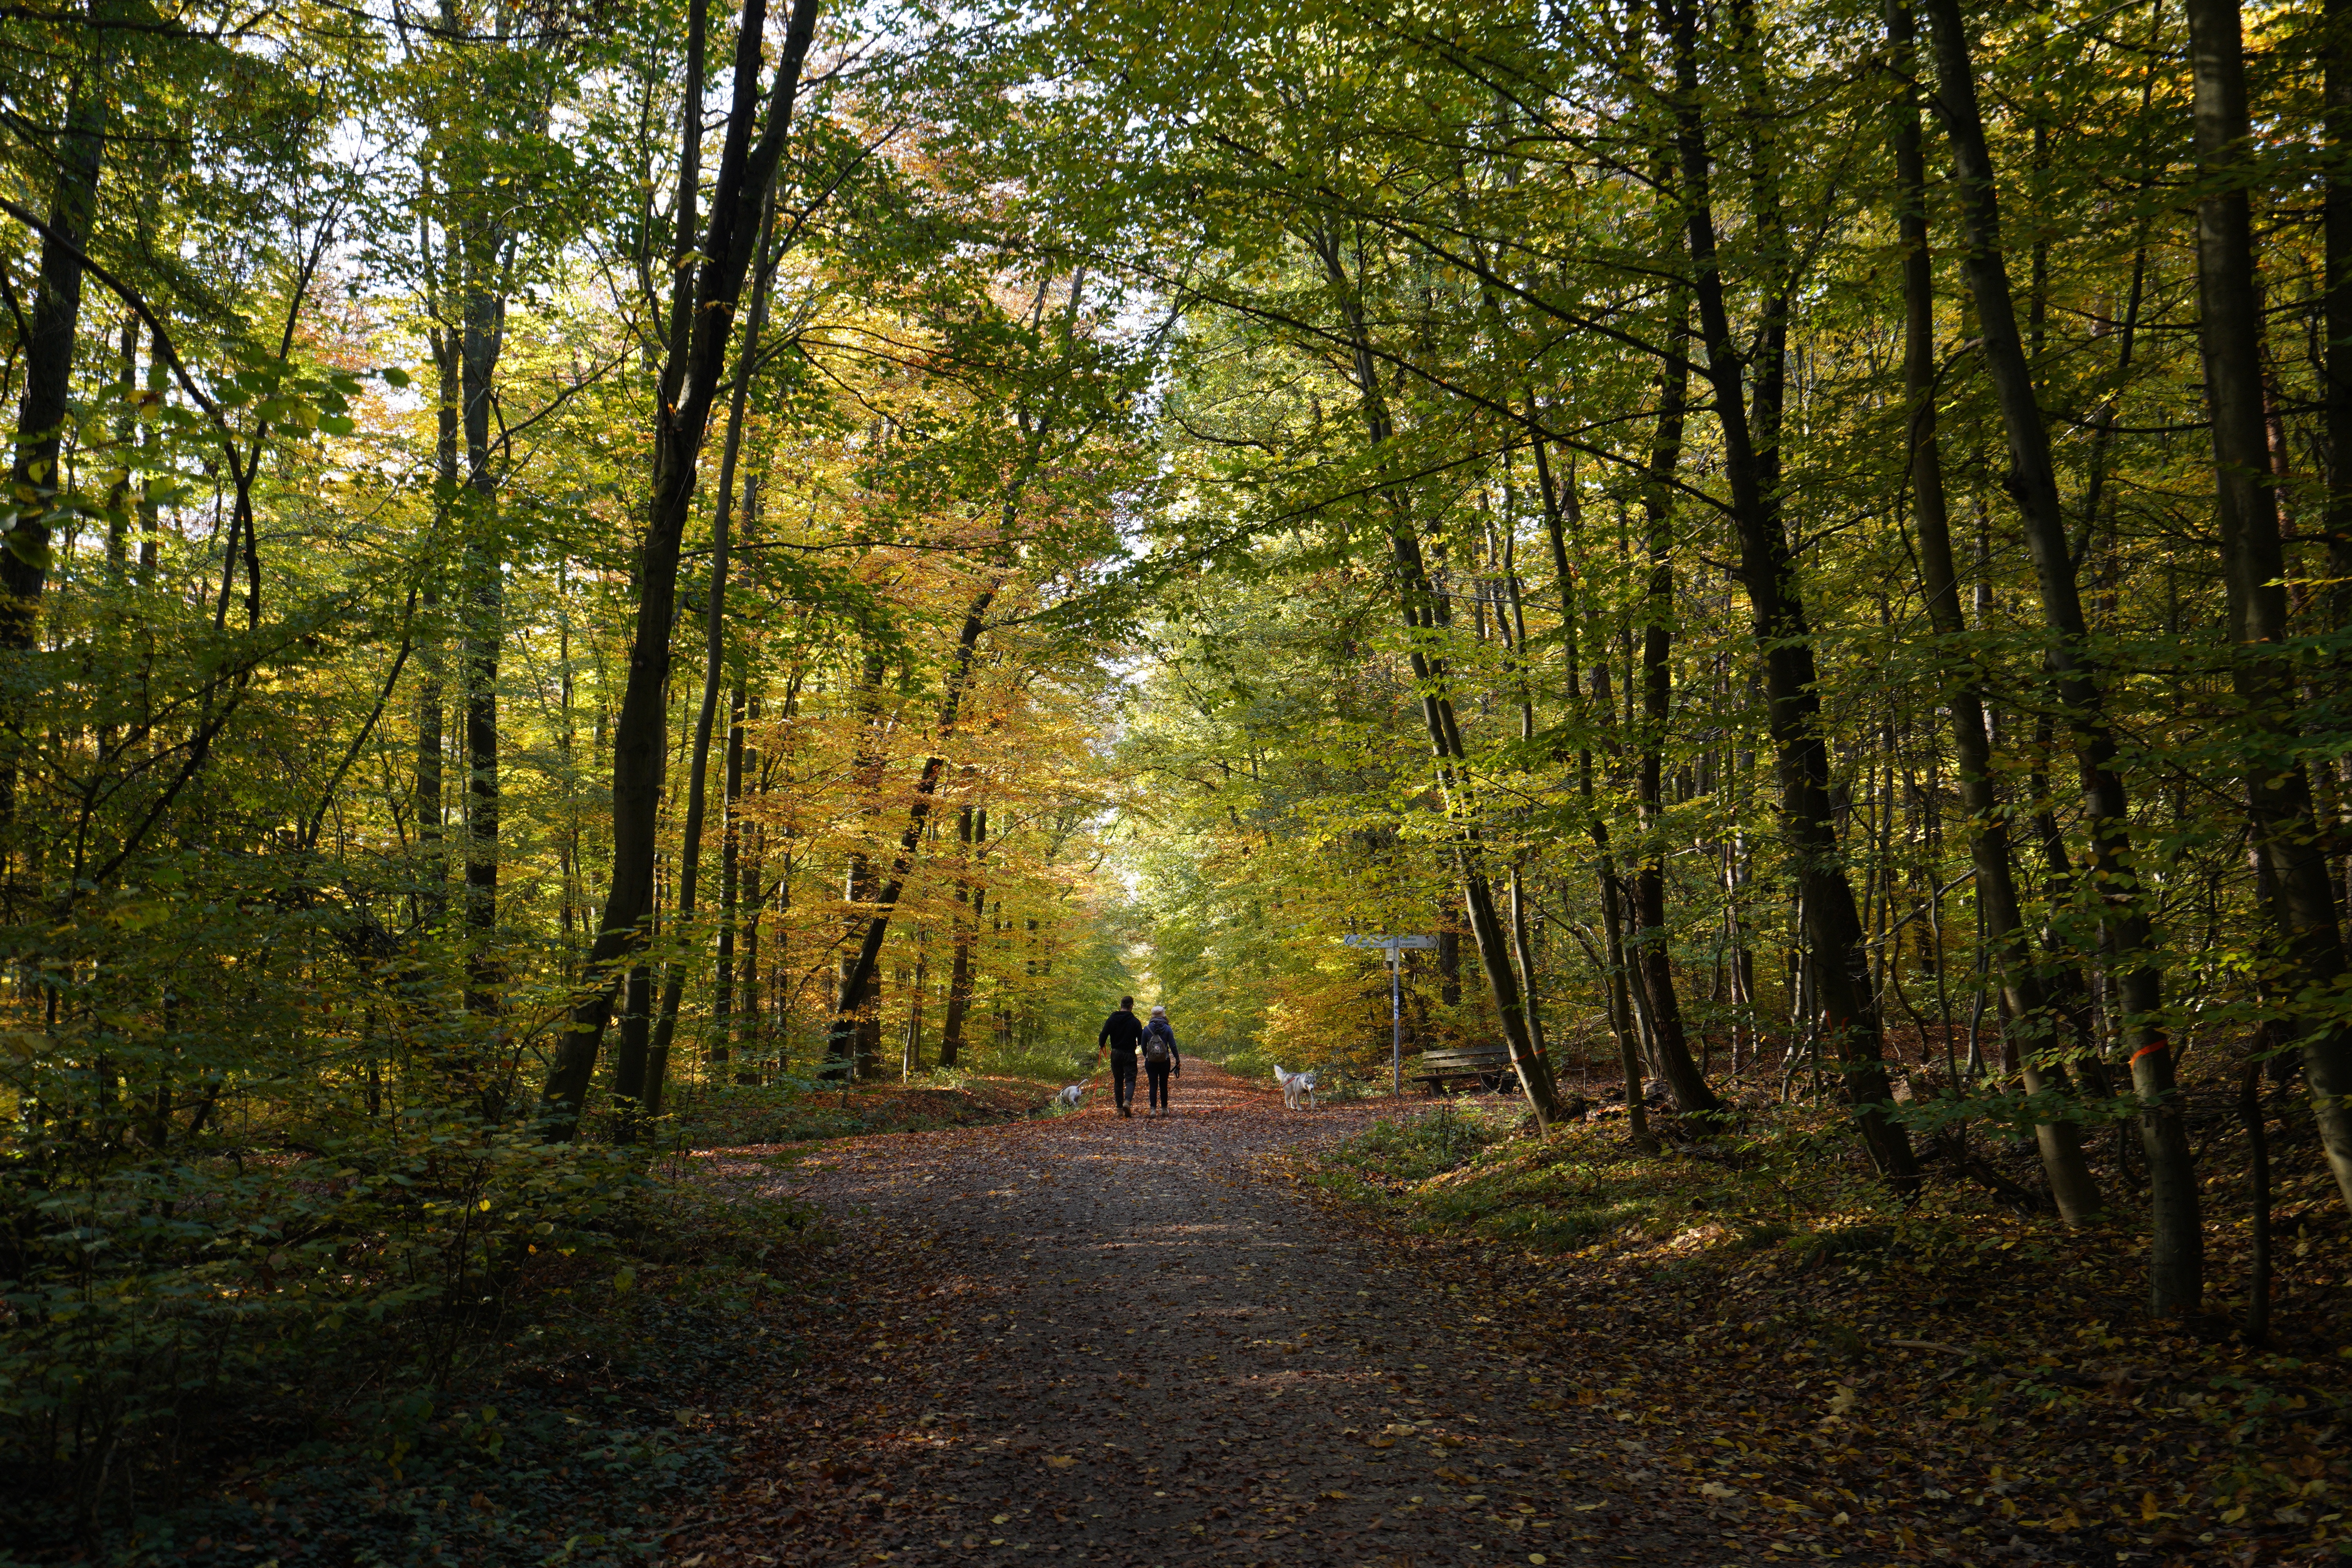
<point x="1690" y="1088"/>
<point x="1559" y="505"/>
<point x="1750" y="458"/>
<point x="970" y="821"/>
<point x="690" y="381"/>
<point x="2060" y="1140"/>
<point x="151" y="443"/>
<point x="1523" y="950"/>
<point x="126" y="429"/>
<point x="655" y="1070"/>
<point x="750" y="1020"/>
<point x="730" y="868"/>
<point x="2287" y="835"/>
<point x="2337" y="400"/>
<point x="851" y="991"/>
<point x="751" y="1046"/>
<point x="858" y="970"/>
<point x="2177" y="1267"/>
<point x="426" y="794"/>
<point x="481" y="335"/>
<point x="642" y="1061"/>
<point x="36" y="486"/>
<point x="2258" y="1150"/>
<point x="1487" y="929"/>
<point x="1623" y="1022"/>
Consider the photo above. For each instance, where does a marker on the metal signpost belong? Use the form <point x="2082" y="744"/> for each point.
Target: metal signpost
<point x="1396" y="998"/>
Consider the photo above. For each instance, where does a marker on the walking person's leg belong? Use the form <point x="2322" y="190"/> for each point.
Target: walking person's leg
<point x="1158" y="1071"/>
<point x="1122" y="1084"/>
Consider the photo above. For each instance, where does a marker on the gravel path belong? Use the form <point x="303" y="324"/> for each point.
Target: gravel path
<point x="1091" y="1340"/>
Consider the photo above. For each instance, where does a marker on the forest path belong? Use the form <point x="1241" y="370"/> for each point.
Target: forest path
<point x="1093" y="1340"/>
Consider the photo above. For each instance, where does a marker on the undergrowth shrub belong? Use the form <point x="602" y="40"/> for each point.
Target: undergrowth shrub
<point x="148" y="1299"/>
<point x="1415" y="1147"/>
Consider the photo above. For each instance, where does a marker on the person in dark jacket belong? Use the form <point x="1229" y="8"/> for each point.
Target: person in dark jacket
<point x="1121" y="1033"/>
<point x="1161" y="1058"/>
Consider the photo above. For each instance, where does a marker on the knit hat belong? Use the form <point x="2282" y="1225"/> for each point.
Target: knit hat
<point x="1158" y="1011"/>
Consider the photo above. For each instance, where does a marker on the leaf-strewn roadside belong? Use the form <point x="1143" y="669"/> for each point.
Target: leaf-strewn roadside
<point x="1955" y="1383"/>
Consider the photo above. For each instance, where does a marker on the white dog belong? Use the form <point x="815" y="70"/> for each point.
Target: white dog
<point x="1296" y="1085"/>
<point x="1069" y="1094"/>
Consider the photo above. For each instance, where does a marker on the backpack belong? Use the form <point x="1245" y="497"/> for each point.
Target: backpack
<point x="1158" y="1041"/>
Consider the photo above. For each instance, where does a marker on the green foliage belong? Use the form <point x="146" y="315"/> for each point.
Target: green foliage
<point x="560" y="1397"/>
<point x="144" y="1290"/>
<point x="1425" y="1146"/>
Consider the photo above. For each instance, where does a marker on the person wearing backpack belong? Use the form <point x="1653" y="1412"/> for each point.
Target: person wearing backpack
<point x="1161" y="1058"/>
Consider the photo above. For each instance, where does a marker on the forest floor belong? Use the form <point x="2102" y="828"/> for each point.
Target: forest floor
<point x="1081" y="1339"/>
<point x="740" y="1115"/>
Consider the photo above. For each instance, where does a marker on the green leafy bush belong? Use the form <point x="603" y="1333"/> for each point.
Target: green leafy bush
<point x="146" y="1297"/>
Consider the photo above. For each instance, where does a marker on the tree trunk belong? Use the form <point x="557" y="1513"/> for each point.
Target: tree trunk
<point x="35" y="490"/>
<point x="1422" y="613"/>
<point x="2287" y="836"/>
<point x="751" y="1056"/>
<point x="36" y="487"/>
<point x="2177" y="1267"/>
<point x="2337" y="398"/>
<point x="479" y="337"/>
<point x="2337" y="401"/>
<point x="1559" y="505"/>
<point x="1672" y="1046"/>
<point x="432" y="873"/>
<point x="696" y="359"/>
<point x="858" y="970"/>
<point x="150" y="443"/>
<point x="655" y="1071"/>
<point x="2258" y="1150"/>
<point x="857" y="884"/>
<point x="1623" y="1022"/>
<point x="643" y="1060"/>
<point x="2060" y="1141"/>
<point x="1523" y="950"/>
<point x="730" y="870"/>
<point x="972" y="826"/>
<point x="118" y="496"/>
<point x="1751" y="467"/>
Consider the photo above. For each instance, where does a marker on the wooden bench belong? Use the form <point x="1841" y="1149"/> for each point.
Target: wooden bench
<point x="1490" y="1065"/>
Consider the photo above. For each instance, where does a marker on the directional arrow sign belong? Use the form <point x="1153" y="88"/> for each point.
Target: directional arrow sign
<point x="1389" y="942"/>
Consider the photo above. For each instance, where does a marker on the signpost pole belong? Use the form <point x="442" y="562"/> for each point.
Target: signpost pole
<point x="1396" y="1024"/>
<point x="1394" y="946"/>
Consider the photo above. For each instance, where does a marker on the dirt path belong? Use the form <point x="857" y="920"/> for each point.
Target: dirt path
<point x="1089" y="1340"/>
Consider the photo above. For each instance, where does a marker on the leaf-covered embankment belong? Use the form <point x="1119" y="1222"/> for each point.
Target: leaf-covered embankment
<point x="1970" y="1383"/>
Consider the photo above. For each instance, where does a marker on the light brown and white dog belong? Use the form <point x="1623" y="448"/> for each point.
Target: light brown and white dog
<point x="1295" y="1086"/>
